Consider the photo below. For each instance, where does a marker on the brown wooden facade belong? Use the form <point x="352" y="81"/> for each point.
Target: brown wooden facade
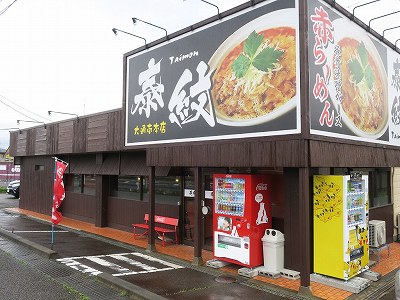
<point x="95" y="145"/>
<point x="294" y="158"/>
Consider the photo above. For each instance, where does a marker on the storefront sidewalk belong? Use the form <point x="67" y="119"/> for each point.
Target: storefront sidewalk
<point x="386" y="264"/>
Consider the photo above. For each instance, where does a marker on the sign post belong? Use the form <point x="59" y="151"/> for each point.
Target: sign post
<point x="58" y="194"/>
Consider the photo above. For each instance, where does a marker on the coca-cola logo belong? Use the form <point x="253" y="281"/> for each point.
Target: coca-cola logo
<point x="262" y="187"/>
<point x="159" y="219"/>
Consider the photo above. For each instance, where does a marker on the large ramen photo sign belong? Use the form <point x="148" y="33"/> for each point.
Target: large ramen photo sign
<point x="237" y="77"/>
<point x="350" y="93"/>
<point x="359" y="84"/>
<point x="255" y="72"/>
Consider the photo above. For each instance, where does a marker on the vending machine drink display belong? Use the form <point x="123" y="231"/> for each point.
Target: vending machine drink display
<point x="341" y="247"/>
<point x="242" y="213"/>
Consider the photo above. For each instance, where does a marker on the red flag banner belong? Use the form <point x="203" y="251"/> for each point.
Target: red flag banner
<point x="59" y="191"/>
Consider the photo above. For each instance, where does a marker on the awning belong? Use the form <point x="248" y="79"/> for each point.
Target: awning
<point x="134" y="163"/>
<point x="83" y="164"/>
<point x="125" y="163"/>
<point x="110" y="164"/>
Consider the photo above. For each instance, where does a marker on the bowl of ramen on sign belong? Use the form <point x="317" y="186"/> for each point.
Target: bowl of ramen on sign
<point x="254" y="78"/>
<point x="358" y="87"/>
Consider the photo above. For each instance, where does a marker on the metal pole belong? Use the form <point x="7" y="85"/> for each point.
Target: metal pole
<point x="52" y="224"/>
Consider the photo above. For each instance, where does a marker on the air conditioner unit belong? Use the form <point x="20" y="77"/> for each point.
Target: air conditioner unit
<point x="377" y="233"/>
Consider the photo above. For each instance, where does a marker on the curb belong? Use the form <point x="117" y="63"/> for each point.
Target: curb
<point x="131" y="288"/>
<point x="112" y="281"/>
<point x="46" y="252"/>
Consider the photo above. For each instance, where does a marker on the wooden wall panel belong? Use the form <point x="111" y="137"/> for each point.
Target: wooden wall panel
<point x="291" y="153"/>
<point x="392" y="157"/>
<point x="21" y="143"/>
<point x="36" y="189"/>
<point x="262" y="154"/>
<point x="329" y="154"/>
<point x="52" y="139"/>
<point x="41" y="141"/>
<point x="13" y="142"/>
<point x="79" y="206"/>
<point x="30" y="142"/>
<point x="65" y="137"/>
<point x="235" y="154"/>
<point x="97" y="133"/>
<point x="80" y="135"/>
<point x="291" y="220"/>
<point x="241" y="154"/>
<point x="115" y="130"/>
<point x="122" y="213"/>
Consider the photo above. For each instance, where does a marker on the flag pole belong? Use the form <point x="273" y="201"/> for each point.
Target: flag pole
<point x="57" y="159"/>
<point x="52" y="207"/>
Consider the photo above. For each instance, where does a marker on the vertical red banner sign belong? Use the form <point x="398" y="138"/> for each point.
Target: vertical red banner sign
<point x="59" y="191"/>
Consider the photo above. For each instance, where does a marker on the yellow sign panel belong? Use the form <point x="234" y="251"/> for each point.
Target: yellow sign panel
<point x="328" y="225"/>
<point x="340" y="226"/>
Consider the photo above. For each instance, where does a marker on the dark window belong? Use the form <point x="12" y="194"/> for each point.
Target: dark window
<point x="379" y="187"/>
<point x="83" y="184"/>
<point x="208" y="182"/>
<point x="128" y="187"/>
<point x="167" y="189"/>
<point x="39" y="168"/>
<point x="89" y="184"/>
<point x="78" y="183"/>
<point x="189" y="182"/>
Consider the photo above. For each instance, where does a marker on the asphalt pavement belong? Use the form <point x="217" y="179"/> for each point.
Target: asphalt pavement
<point x="20" y="281"/>
<point x="131" y="270"/>
<point x="98" y="268"/>
<point x="29" y="275"/>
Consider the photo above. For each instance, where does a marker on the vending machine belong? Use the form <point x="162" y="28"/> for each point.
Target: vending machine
<point x="242" y="213"/>
<point x="341" y="247"/>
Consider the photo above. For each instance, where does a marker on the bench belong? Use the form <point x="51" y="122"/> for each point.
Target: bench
<point x="161" y="231"/>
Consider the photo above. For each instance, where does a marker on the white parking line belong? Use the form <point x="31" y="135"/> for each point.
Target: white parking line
<point x="102" y="260"/>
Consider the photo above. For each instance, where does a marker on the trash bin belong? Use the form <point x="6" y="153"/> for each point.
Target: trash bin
<point x="273" y="241"/>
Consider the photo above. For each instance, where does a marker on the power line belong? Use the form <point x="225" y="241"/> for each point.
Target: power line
<point x="17" y="110"/>
<point x="31" y="112"/>
<point x="20" y="112"/>
<point x="6" y="8"/>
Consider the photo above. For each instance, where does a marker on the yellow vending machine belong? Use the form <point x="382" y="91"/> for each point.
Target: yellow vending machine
<point x="341" y="247"/>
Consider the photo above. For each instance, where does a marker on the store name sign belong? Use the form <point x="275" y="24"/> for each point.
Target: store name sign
<point x="221" y="82"/>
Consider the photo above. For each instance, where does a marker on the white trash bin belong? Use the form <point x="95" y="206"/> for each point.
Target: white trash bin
<point x="273" y="250"/>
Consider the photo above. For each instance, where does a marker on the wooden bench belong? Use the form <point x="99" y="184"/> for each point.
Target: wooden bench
<point x="161" y="231"/>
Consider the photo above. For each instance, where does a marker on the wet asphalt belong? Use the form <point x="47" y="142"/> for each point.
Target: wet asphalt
<point x="20" y="281"/>
<point x="159" y="274"/>
<point x="151" y="274"/>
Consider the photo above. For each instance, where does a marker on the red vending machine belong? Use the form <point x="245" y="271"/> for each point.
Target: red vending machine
<point x="242" y="213"/>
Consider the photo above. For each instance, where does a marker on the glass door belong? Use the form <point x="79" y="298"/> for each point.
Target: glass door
<point x="189" y="211"/>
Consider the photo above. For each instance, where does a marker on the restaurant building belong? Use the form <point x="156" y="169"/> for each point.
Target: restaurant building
<point x="287" y="88"/>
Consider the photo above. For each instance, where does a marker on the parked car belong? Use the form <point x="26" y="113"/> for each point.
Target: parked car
<point x="13" y="188"/>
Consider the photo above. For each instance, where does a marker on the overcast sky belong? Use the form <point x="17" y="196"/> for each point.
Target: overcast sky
<point x="61" y="55"/>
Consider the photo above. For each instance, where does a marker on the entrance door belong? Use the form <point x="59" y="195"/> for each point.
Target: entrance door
<point x="208" y="217"/>
<point x="189" y="234"/>
<point x="189" y="215"/>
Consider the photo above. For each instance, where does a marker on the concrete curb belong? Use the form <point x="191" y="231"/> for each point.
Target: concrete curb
<point x="132" y="289"/>
<point x="46" y="252"/>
